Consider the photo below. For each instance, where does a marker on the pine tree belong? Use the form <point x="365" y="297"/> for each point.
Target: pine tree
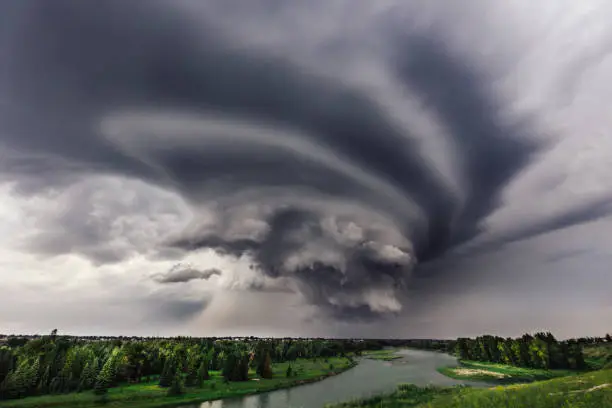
<point x="106" y="376"/>
<point x="203" y="373"/>
<point x="229" y="367"/>
<point x="165" y="379"/>
<point x="32" y="376"/>
<point x="88" y="377"/>
<point x="176" y="386"/>
<point x="266" y="371"/>
<point x="43" y="384"/>
<point x="192" y="378"/>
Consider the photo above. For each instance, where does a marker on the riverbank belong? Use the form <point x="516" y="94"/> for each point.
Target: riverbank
<point x="382" y="355"/>
<point x="587" y="390"/>
<point x="500" y="373"/>
<point x="150" y="395"/>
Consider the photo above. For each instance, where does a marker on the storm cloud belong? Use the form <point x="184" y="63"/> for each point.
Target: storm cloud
<point x="339" y="158"/>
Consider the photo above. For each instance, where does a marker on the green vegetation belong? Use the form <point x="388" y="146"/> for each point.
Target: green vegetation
<point x="407" y="395"/>
<point x="150" y="395"/>
<point x="500" y="373"/>
<point x="383" y="355"/>
<point x="589" y="390"/>
<point x="79" y="372"/>
<point x="63" y="371"/>
<point x="585" y="391"/>
<point x="598" y="356"/>
<point x="541" y="350"/>
<point x="544" y="373"/>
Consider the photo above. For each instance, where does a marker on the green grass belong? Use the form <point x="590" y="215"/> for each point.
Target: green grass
<point x="500" y="373"/>
<point x="149" y="395"/>
<point x="588" y="390"/>
<point x="383" y="355"/>
<point x="407" y="395"/>
<point x="598" y="356"/>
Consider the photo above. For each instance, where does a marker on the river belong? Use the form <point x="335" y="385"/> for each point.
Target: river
<point x="369" y="377"/>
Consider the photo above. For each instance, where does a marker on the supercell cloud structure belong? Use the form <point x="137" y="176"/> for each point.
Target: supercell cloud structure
<point x="336" y="146"/>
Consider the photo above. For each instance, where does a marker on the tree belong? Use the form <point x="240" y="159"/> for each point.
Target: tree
<point x="168" y="373"/>
<point x="7" y="362"/>
<point x="236" y="366"/>
<point x="106" y="376"/>
<point x="134" y="355"/>
<point x="176" y="386"/>
<point x="15" y="384"/>
<point x="462" y="349"/>
<point x="193" y="367"/>
<point x="43" y="384"/>
<point x="203" y="373"/>
<point x="88" y="377"/>
<point x="32" y="375"/>
<point x="266" y="370"/>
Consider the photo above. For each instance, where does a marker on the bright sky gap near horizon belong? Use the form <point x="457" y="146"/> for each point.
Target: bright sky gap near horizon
<point x="396" y="168"/>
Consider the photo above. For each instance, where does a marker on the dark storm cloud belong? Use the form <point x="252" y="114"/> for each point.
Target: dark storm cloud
<point x="493" y="153"/>
<point x="180" y="273"/>
<point x="152" y="91"/>
<point x="330" y="286"/>
<point x="584" y="213"/>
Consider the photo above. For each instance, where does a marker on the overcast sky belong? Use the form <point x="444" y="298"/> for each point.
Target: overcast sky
<point x="306" y="168"/>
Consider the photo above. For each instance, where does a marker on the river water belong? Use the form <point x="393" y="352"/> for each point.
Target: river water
<point x="369" y="377"/>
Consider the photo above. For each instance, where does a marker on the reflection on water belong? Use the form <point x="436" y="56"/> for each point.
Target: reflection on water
<point x="368" y="378"/>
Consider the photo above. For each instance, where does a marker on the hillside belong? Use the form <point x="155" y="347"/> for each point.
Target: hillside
<point x="589" y="390"/>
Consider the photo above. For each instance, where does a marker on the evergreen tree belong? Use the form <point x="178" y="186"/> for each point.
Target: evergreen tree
<point x="165" y="379"/>
<point x="7" y="362"/>
<point x="88" y="377"/>
<point x="43" y="384"/>
<point x="176" y="386"/>
<point x="203" y="374"/>
<point x="266" y="370"/>
<point x="462" y="349"/>
<point x="32" y="376"/>
<point x="192" y="378"/>
<point x="106" y="376"/>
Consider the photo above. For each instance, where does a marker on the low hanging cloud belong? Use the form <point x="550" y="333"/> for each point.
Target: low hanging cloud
<point x="339" y="156"/>
<point x="180" y="273"/>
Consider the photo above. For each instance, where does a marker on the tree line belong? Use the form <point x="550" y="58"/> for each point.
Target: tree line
<point x="541" y="350"/>
<point x="61" y="364"/>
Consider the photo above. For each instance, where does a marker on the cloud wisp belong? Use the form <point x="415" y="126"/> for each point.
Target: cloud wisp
<point x="180" y="273"/>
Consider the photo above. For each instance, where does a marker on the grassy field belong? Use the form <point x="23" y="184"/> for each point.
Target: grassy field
<point x="383" y="355"/>
<point x="151" y="396"/>
<point x="500" y="373"/>
<point x="589" y="390"/>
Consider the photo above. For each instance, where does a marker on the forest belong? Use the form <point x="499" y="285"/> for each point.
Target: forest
<point x="55" y="364"/>
<point x="541" y="350"/>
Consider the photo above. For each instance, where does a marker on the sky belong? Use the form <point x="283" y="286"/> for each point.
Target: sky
<point x="337" y="168"/>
